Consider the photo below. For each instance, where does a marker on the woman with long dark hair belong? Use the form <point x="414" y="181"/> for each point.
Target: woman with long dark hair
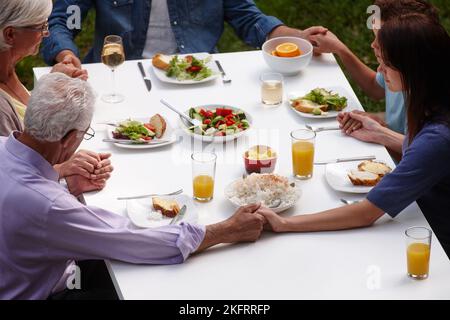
<point x="415" y="59"/>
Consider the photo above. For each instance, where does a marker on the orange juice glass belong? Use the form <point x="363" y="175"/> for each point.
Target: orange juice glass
<point x="303" y="153"/>
<point x="418" y="247"/>
<point x="203" y="173"/>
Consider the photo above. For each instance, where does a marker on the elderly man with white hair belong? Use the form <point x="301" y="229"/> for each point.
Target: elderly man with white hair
<point x="23" y="25"/>
<point x="43" y="226"/>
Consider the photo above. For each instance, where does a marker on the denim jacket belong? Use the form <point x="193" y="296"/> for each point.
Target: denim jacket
<point x="197" y="25"/>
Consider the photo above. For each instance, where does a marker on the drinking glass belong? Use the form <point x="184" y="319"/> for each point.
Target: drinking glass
<point x="113" y="56"/>
<point x="203" y="173"/>
<point x="271" y="89"/>
<point x="418" y="247"/>
<point x="303" y="153"/>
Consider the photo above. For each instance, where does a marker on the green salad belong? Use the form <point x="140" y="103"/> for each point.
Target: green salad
<point x="134" y="130"/>
<point x="189" y="68"/>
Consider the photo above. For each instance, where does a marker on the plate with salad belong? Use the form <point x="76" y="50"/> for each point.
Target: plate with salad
<point x="185" y="69"/>
<point x="220" y="123"/>
<point x="321" y="102"/>
<point x="142" y="133"/>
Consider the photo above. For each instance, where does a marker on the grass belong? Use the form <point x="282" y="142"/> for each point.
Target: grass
<point x="346" y="18"/>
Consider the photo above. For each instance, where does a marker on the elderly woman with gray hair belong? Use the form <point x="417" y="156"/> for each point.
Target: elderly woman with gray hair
<point x="23" y="25"/>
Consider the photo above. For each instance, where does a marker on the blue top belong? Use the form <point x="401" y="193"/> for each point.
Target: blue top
<point x="197" y="25"/>
<point x="423" y="175"/>
<point x="395" y="107"/>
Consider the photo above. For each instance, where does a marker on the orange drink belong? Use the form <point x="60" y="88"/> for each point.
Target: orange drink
<point x="203" y="171"/>
<point x="418" y="252"/>
<point x="303" y="153"/>
<point x="203" y="186"/>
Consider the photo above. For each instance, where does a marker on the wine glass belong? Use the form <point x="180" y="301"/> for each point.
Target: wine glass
<point x="113" y="56"/>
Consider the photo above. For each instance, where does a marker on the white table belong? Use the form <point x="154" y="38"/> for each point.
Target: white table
<point x="357" y="264"/>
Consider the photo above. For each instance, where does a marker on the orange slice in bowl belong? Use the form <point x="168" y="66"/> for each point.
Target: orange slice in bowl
<point x="287" y="49"/>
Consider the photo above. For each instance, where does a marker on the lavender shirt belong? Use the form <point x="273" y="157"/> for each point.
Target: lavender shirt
<point x="42" y="227"/>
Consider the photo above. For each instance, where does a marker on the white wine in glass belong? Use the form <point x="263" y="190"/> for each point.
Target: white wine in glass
<point x="113" y="56"/>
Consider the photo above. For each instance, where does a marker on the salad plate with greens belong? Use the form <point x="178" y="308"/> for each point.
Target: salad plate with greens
<point x="220" y="123"/>
<point x="322" y="102"/>
<point x="188" y="69"/>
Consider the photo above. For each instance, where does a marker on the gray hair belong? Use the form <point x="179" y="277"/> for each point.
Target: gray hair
<point x="59" y="104"/>
<point x="22" y="13"/>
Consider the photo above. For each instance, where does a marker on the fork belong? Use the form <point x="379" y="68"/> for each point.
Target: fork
<point x="319" y="129"/>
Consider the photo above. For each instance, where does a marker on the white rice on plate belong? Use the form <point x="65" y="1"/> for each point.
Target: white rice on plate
<point x="262" y="188"/>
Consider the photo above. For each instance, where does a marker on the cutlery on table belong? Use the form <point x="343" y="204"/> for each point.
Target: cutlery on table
<point x="225" y="78"/>
<point x="148" y="82"/>
<point x="123" y="141"/>
<point x="319" y="129"/>
<point x="192" y="122"/>
<point x="151" y="195"/>
<point x="112" y="124"/>
<point x="179" y="216"/>
<point x="345" y="160"/>
<point x="349" y="201"/>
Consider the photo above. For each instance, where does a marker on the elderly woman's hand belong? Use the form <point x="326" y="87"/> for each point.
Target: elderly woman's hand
<point x="85" y="163"/>
<point x="70" y="70"/>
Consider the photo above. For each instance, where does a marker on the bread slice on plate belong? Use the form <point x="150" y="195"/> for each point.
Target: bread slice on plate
<point x="158" y="122"/>
<point x="307" y="106"/>
<point x="375" y="167"/>
<point x="363" y="178"/>
<point x="161" y="61"/>
<point x="169" y="208"/>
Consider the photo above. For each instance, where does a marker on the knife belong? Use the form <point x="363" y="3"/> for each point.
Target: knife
<point x="147" y="80"/>
<point x="345" y="160"/>
<point x="179" y="216"/>
<point x="123" y="141"/>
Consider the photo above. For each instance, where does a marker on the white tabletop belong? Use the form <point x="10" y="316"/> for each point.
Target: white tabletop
<point x="358" y="264"/>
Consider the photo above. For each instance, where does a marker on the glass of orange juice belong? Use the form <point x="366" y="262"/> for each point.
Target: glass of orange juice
<point x="203" y="172"/>
<point x="418" y="247"/>
<point x="303" y="153"/>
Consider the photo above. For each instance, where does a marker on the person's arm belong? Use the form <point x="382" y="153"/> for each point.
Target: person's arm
<point x="360" y="73"/>
<point x="60" y="44"/>
<point x="358" y="215"/>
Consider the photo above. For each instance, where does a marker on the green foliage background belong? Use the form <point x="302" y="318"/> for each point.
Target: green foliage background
<point x="346" y="18"/>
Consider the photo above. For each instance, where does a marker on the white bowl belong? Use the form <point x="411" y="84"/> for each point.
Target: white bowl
<point x="287" y="66"/>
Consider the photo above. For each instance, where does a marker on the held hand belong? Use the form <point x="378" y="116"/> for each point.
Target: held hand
<point x="70" y="70"/>
<point x="275" y="222"/>
<point x="368" y="129"/>
<point x="104" y="172"/>
<point x="245" y="225"/>
<point x="83" y="163"/>
<point x="68" y="57"/>
<point x="326" y="43"/>
<point x="78" y="184"/>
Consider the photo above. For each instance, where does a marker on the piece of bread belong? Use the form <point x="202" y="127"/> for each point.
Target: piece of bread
<point x="379" y="168"/>
<point x="158" y="122"/>
<point x="307" y="106"/>
<point x="168" y="207"/>
<point x="161" y="61"/>
<point x="363" y="178"/>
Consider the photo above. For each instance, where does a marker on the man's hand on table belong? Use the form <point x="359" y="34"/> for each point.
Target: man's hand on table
<point x="78" y="184"/>
<point x="246" y="225"/>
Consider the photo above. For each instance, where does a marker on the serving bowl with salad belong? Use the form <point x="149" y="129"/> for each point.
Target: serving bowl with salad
<point x="220" y="123"/>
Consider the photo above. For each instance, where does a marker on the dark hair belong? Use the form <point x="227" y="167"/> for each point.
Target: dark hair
<point x="394" y="8"/>
<point x="419" y="48"/>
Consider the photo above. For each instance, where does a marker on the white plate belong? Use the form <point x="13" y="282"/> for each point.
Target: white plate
<point x="142" y="214"/>
<point x="161" y="74"/>
<point x="276" y="210"/>
<point x="351" y="103"/>
<point x="215" y="139"/>
<point x="337" y="177"/>
<point x="169" y="135"/>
